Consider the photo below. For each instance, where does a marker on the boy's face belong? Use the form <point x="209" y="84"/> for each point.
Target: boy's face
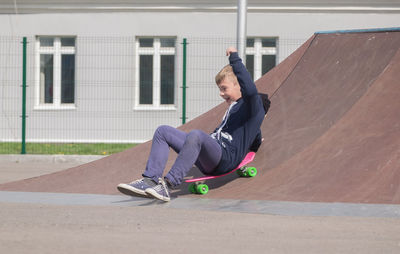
<point x="229" y="91"/>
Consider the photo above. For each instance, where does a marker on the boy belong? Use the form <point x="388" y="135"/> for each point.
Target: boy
<point x="216" y="153"/>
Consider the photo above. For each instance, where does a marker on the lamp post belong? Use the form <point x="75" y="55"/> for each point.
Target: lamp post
<point x="241" y="29"/>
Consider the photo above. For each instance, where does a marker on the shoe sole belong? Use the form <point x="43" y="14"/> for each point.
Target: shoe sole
<point x="155" y="194"/>
<point x="130" y="191"/>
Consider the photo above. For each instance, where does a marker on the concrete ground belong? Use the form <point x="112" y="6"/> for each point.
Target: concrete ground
<point x="44" y="226"/>
<point x="18" y="167"/>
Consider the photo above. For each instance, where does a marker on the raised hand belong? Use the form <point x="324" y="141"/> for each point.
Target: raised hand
<point x="230" y="50"/>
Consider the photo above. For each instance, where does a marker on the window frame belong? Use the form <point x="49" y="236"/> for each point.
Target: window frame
<point x="156" y="51"/>
<point x="258" y="51"/>
<point x="57" y="51"/>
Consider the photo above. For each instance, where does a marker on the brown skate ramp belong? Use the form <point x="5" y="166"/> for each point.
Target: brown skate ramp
<point x="332" y="133"/>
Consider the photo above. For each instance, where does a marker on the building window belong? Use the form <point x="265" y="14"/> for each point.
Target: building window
<point x="155" y="73"/>
<point x="55" y="70"/>
<point x="260" y="56"/>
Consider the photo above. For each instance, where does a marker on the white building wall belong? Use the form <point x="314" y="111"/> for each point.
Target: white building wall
<point x="105" y="89"/>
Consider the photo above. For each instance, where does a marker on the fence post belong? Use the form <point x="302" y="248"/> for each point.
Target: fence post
<point x="23" y="145"/>
<point x="184" y="82"/>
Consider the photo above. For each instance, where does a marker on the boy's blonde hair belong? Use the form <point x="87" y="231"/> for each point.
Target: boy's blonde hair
<point x="226" y="73"/>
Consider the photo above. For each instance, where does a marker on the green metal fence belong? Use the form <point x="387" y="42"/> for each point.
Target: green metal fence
<point x="101" y="95"/>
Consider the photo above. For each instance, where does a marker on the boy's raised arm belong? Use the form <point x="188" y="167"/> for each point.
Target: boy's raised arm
<point x="247" y="85"/>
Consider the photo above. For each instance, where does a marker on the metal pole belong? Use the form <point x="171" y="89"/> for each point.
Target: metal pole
<point x="23" y="145"/>
<point x="241" y="29"/>
<point x="184" y="82"/>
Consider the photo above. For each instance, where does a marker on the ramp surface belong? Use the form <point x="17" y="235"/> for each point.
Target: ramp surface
<point x="332" y="133"/>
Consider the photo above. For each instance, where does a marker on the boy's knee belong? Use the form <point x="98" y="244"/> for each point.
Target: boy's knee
<point x="161" y="132"/>
<point x="162" y="129"/>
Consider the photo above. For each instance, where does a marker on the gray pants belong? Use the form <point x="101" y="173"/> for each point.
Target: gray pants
<point x="195" y="147"/>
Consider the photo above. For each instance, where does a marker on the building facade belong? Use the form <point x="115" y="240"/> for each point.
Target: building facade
<point x="112" y="72"/>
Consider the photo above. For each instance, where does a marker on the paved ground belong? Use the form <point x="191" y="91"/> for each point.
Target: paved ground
<point x="47" y="227"/>
<point x="18" y="167"/>
<point x="35" y="228"/>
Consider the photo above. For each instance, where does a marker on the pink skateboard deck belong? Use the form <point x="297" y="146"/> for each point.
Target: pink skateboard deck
<point x="203" y="188"/>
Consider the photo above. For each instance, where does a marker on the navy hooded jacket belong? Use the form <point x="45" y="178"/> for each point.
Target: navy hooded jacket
<point x="241" y="129"/>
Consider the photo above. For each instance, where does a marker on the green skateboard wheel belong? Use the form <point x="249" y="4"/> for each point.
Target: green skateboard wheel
<point x="251" y="171"/>
<point x="202" y="189"/>
<point x="192" y="188"/>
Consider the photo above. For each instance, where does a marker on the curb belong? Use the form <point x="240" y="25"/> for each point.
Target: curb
<point x="58" y="158"/>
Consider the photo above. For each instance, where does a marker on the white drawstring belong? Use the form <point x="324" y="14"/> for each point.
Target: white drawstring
<point x="225" y="120"/>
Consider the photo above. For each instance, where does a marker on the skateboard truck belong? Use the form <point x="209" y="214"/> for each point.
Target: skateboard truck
<point x="247" y="171"/>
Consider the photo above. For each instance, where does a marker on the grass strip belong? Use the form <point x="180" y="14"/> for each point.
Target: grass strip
<point x="64" y="148"/>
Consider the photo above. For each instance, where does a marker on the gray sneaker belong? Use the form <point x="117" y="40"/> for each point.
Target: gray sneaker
<point x="137" y="187"/>
<point x="159" y="191"/>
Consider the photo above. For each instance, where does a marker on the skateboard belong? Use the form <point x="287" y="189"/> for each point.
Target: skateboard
<point x="197" y="185"/>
